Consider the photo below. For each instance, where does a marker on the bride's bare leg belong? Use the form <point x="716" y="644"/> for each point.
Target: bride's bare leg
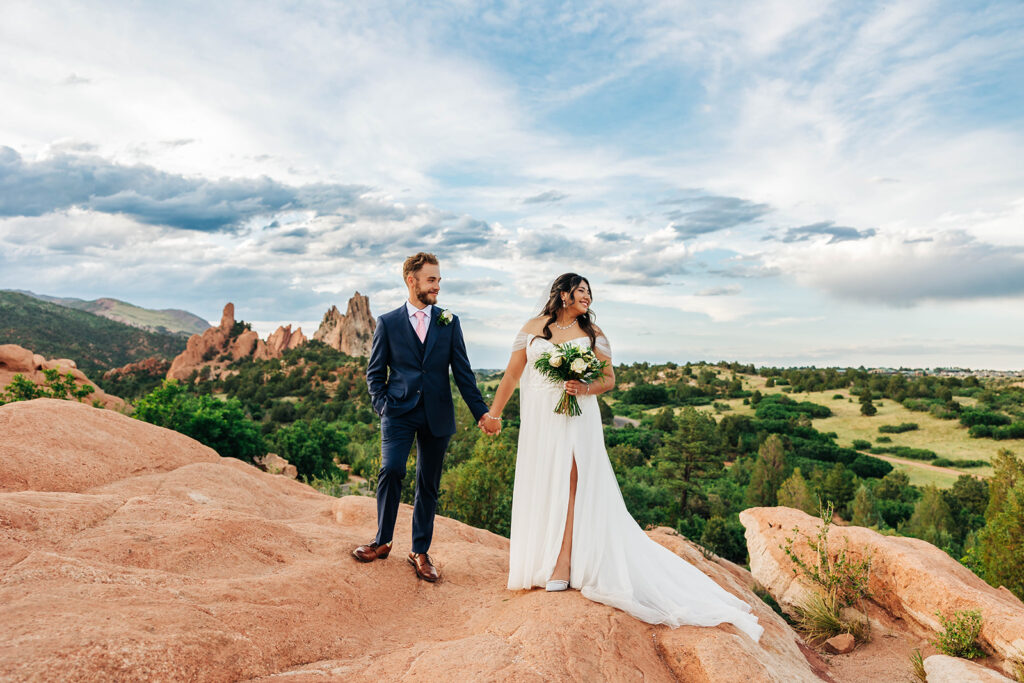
<point x="562" y="564"/>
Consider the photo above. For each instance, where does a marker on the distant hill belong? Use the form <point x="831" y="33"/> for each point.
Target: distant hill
<point x="93" y="342"/>
<point x="170" y="320"/>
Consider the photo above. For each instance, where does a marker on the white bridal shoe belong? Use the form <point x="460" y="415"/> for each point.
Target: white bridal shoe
<point x="556" y="585"/>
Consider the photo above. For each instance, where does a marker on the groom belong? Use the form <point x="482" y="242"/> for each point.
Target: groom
<point x="407" y="375"/>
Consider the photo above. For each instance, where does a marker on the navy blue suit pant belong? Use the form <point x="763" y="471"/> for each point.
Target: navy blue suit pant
<point x="397" y="436"/>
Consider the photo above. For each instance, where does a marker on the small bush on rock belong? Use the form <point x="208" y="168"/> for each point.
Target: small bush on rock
<point x="959" y="637"/>
<point x="843" y="583"/>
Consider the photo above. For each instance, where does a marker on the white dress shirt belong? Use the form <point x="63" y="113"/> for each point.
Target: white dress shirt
<point x="412" y="311"/>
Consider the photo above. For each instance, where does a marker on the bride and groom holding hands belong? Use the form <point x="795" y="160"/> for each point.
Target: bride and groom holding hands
<point x="570" y="527"/>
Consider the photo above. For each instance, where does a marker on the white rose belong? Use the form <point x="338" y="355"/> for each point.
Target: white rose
<point x="446" y="315"/>
<point x="578" y="366"/>
<point x="555" y="360"/>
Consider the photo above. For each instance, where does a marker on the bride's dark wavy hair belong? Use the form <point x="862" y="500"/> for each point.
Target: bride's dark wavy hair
<point x="568" y="283"/>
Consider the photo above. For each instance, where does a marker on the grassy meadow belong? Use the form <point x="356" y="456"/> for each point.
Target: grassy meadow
<point x="947" y="438"/>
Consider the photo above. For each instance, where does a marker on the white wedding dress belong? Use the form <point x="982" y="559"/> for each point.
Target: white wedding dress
<point x="613" y="561"/>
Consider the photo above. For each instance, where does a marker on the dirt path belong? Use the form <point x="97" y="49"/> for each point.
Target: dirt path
<point x="924" y="465"/>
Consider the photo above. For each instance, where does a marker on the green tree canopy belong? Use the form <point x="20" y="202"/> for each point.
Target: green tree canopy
<point x="795" y="493"/>
<point x="221" y="425"/>
<point x="691" y="454"/>
<point x="311" y="446"/>
<point x="1000" y="543"/>
<point x="768" y="473"/>
<point x="479" y="490"/>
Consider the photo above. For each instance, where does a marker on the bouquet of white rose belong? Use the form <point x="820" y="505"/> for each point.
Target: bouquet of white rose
<point x="569" y="361"/>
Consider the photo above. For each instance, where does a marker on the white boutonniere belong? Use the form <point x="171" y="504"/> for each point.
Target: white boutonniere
<point x="445" y="318"/>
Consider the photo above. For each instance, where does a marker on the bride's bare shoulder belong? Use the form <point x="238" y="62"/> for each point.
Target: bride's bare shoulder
<point x="534" y="325"/>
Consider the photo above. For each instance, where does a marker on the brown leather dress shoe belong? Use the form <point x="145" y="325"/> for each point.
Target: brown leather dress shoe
<point x="425" y="569"/>
<point x="371" y="552"/>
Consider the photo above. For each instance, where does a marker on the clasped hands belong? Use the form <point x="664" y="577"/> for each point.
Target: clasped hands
<point x="490" y="425"/>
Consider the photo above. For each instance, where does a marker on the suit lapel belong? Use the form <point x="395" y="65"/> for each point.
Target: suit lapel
<point x="432" y="331"/>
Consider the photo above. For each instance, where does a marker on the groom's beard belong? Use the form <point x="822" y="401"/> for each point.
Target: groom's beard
<point x="427" y="298"/>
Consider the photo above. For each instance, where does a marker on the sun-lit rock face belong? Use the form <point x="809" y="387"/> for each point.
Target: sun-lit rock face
<point x="351" y="333"/>
<point x="910" y="579"/>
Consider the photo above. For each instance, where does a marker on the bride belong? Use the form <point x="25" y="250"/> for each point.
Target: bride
<point x="570" y="526"/>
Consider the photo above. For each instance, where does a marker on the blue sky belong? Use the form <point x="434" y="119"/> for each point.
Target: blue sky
<point x="773" y="182"/>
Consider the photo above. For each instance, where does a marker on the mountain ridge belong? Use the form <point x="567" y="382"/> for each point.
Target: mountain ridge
<point x="94" y="342"/>
<point x="164" y="320"/>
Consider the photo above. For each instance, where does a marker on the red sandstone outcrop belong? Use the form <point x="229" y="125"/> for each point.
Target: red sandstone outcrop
<point x="910" y="579"/>
<point x="216" y="348"/>
<point x="128" y="551"/>
<point x="351" y="333"/>
<point x="283" y="339"/>
<point x="16" y="360"/>
<point x="275" y="464"/>
<point x="154" y="366"/>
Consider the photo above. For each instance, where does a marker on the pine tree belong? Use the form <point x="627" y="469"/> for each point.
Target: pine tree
<point x="767" y="475"/>
<point x="838" y="485"/>
<point x="691" y="454"/>
<point x="865" y="512"/>
<point x="1000" y="543"/>
<point x="665" y="420"/>
<point x="932" y="520"/>
<point x="795" y="493"/>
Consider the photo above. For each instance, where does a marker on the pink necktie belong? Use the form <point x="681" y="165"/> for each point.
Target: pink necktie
<point x="421" y="325"/>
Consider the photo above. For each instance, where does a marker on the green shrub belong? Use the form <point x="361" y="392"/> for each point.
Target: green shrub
<point x="898" y="429"/>
<point x="332" y="484"/>
<point x="842" y="581"/>
<point x="311" y="446"/>
<point x="866" y="466"/>
<point x="59" y="386"/>
<point x="959" y="637"/>
<point x="861" y="444"/>
<point x="883" y="439"/>
<point x="221" y="425"/>
<point x="905" y="452"/>
<point x="1014" y="430"/>
<point x="972" y="417"/>
<point x="725" y="537"/>
<point x="948" y="462"/>
<point x="646" y="394"/>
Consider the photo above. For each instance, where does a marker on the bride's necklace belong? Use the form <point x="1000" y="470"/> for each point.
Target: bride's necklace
<point x="567" y="326"/>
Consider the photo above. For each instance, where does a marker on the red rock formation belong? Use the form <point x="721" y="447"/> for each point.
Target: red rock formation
<point x="282" y="340"/>
<point x="351" y="333"/>
<point x="154" y="366"/>
<point x="910" y="579"/>
<point x="128" y="551"/>
<point x="216" y="347"/>
<point x="15" y="360"/>
<point x="204" y="349"/>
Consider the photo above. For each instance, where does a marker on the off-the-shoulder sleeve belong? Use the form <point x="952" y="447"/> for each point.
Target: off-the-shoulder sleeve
<point x="602" y="346"/>
<point x="519" y="342"/>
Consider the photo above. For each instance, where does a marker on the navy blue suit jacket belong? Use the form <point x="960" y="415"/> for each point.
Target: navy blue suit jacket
<point x="401" y="370"/>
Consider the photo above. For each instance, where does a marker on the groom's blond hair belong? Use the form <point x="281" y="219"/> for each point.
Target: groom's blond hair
<point x="417" y="261"/>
